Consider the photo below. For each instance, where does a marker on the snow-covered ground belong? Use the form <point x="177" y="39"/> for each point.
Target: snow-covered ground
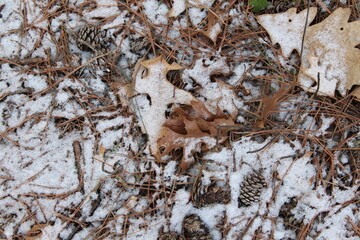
<point x="75" y="161"/>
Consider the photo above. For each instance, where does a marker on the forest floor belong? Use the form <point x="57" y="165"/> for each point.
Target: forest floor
<point x="170" y="120"/>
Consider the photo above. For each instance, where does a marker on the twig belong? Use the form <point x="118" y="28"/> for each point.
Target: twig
<point x="305" y="27"/>
<point x="77" y="155"/>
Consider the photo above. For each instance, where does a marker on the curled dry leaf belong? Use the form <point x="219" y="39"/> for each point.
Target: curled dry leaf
<point x="330" y="57"/>
<point x="151" y="80"/>
<point x="35" y="232"/>
<point x="270" y="104"/>
<point x="192" y="128"/>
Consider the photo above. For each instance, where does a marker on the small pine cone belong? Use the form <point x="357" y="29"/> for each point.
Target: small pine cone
<point x="101" y="62"/>
<point x="281" y="6"/>
<point x="196" y="192"/>
<point x="170" y="236"/>
<point x="355" y="129"/>
<point x="206" y="195"/>
<point x="91" y="38"/>
<point x="251" y="188"/>
<point x="139" y="44"/>
<point x="195" y="229"/>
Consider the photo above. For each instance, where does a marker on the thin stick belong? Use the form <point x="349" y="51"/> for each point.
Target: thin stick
<point x="305" y="27"/>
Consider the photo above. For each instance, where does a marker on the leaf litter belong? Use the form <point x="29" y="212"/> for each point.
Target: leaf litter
<point x="91" y="154"/>
<point x="330" y="57"/>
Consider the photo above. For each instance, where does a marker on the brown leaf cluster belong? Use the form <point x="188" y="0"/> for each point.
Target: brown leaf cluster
<point x="193" y="128"/>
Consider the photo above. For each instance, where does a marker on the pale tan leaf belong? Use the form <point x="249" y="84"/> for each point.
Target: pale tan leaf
<point x="214" y="27"/>
<point x="177" y="8"/>
<point x="286" y="28"/>
<point x="338" y="61"/>
<point x="330" y="56"/>
<point x="151" y="80"/>
<point x="356" y="93"/>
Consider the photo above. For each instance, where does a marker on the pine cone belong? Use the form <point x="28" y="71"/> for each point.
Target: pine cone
<point x="205" y="195"/>
<point x="92" y="38"/>
<point x="251" y="188"/>
<point x="101" y="61"/>
<point x="194" y="228"/>
<point x="170" y="236"/>
<point x="355" y="129"/>
<point x="281" y="6"/>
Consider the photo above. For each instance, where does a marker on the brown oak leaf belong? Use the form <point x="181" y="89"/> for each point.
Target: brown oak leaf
<point x="192" y="128"/>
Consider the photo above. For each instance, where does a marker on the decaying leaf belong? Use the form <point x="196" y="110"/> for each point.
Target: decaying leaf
<point x="178" y="7"/>
<point x="192" y="128"/>
<point x="214" y="27"/>
<point x="35" y="232"/>
<point x="329" y="55"/>
<point x="151" y="80"/>
<point x="270" y="104"/>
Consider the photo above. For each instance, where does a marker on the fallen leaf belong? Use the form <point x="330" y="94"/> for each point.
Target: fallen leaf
<point x="151" y="80"/>
<point x="35" y="232"/>
<point x="193" y="129"/>
<point x="177" y="8"/>
<point x="214" y="27"/>
<point x="123" y="91"/>
<point x="335" y="38"/>
<point x="286" y="28"/>
<point x="330" y="57"/>
<point x="270" y="104"/>
<point x="356" y="93"/>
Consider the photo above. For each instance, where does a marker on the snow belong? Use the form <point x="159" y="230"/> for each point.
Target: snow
<point x="180" y="210"/>
<point x="9" y="21"/>
<point x="106" y="11"/>
<point x="124" y="188"/>
<point x="156" y="12"/>
<point x="216" y="93"/>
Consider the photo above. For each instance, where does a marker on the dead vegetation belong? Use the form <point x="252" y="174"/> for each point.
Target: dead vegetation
<point x="86" y="104"/>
